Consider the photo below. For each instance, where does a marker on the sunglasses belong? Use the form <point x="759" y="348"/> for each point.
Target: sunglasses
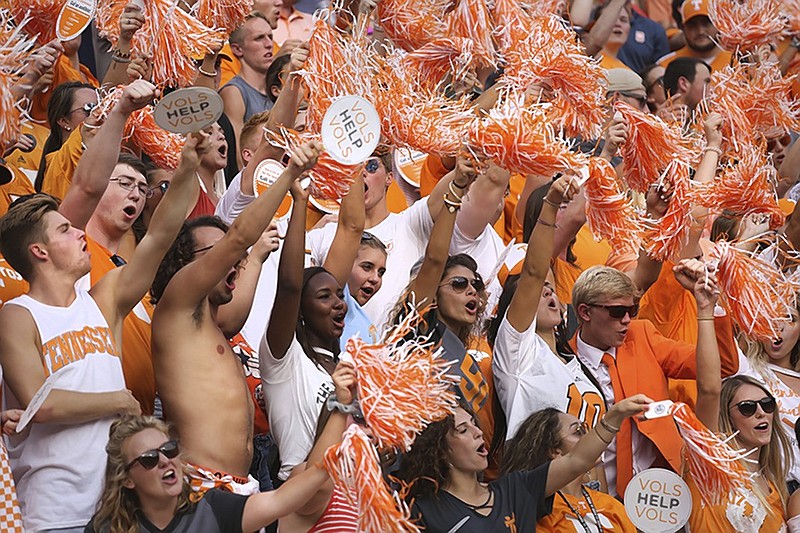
<point x="372" y="166"/>
<point x="619" y="311"/>
<point x="783" y="141"/>
<point x="748" y="407"/>
<point x="86" y="108"/>
<point x="460" y="283"/>
<point x="149" y="459"/>
<point x="638" y="97"/>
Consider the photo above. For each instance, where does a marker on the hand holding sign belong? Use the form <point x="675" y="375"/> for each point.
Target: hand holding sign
<point x="197" y="145"/>
<point x="267" y="173"/>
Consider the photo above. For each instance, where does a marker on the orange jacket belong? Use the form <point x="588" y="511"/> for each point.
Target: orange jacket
<point x="644" y="361"/>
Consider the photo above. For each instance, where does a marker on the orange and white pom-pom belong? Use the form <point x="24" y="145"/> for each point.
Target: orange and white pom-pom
<point x="609" y="212"/>
<point x="716" y="468"/>
<point x="791" y="12"/>
<point x="512" y="24"/>
<point x="650" y="146"/>
<point x="745" y="186"/>
<point x="15" y="48"/>
<point x="354" y="466"/>
<point x="522" y="139"/>
<point x="330" y="180"/>
<point x="757" y="295"/>
<point x="411" y="24"/>
<point x="41" y="14"/>
<point x="743" y="26"/>
<point x="437" y="59"/>
<point x="670" y="233"/>
<point x="403" y="385"/>
<point x="163" y="147"/>
<point x="471" y="20"/>
<point x="107" y="99"/>
<point x="226" y="14"/>
<point x="171" y="36"/>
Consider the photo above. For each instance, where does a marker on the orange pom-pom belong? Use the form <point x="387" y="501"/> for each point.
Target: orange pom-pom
<point x="670" y="234"/>
<point x="609" y="212"/>
<point x="791" y="11"/>
<point x="226" y="14"/>
<point x="757" y="295"/>
<point x="15" y="46"/>
<point x="163" y="147"/>
<point x="41" y="17"/>
<point x="650" y="146"/>
<point x="743" y="26"/>
<point x="402" y="385"/>
<point x="170" y="35"/>
<point x="471" y="20"/>
<point x="746" y="186"/>
<point x="354" y="466"/>
<point x="411" y="24"/>
<point x="522" y="139"/>
<point x="716" y="468"/>
<point x="435" y="60"/>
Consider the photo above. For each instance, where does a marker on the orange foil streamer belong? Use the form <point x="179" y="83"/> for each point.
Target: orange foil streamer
<point x="609" y="212"/>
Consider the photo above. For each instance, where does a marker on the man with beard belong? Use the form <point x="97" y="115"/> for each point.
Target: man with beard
<point x="700" y="36"/>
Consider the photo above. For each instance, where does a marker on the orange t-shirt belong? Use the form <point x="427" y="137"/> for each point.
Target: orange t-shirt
<point x="562" y="519"/>
<point x="137" y="359"/>
<point x="30" y="160"/>
<point x="61" y="165"/>
<point x="20" y="185"/>
<point x="63" y="71"/>
<point x="607" y="61"/>
<point x="740" y="506"/>
<point x="11" y="283"/>
<point x="430" y="174"/>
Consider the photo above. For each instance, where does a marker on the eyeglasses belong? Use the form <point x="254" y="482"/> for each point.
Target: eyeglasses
<point x="619" y="311"/>
<point x="657" y="81"/>
<point x="460" y="283"/>
<point x="129" y="184"/>
<point x="784" y="141"/>
<point x="149" y="459"/>
<point x="638" y="97"/>
<point x="748" y="407"/>
<point x="372" y="165"/>
<point x="162" y="187"/>
<point x="86" y="108"/>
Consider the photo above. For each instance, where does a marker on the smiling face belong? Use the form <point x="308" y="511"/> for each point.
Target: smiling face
<point x="466" y="448"/>
<point x="754" y="431"/>
<point x="162" y="483"/>
<point x="366" y="277"/>
<point x="458" y="307"/>
<point x="322" y="306"/>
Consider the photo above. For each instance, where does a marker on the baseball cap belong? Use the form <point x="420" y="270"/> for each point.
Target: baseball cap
<point x="624" y="80"/>
<point x="694" y="8"/>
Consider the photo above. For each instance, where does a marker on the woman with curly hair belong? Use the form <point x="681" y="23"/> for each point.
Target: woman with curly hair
<point x="145" y="489"/>
<point x="447" y="459"/>
<point x="542" y="437"/>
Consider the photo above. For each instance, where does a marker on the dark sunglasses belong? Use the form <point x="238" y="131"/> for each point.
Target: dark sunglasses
<point x="460" y="283"/>
<point x="372" y="166"/>
<point x="638" y="97"/>
<point x="149" y="459"/>
<point x="86" y="108"/>
<point x="748" y="407"/>
<point x="784" y="141"/>
<point x="619" y="311"/>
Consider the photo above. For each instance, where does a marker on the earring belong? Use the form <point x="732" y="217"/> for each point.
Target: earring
<point x="67" y="128"/>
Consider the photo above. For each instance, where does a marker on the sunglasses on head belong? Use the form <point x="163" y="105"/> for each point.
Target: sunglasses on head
<point x="372" y="165"/>
<point x="149" y="459"/>
<point x="748" y="407"/>
<point x="619" y="311"/>
<point x="460" y="283"/>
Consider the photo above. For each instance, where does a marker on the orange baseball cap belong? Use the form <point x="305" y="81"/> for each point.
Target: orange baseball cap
<point x="694" y="8"/>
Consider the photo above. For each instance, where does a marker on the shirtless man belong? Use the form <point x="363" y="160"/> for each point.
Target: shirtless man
<point x="200" y="380"/>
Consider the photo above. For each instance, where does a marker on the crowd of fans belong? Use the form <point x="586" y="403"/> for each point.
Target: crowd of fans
<point x="179" y="336"/>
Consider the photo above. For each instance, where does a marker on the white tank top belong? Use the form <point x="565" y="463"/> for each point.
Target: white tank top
<point x="59" y="469"/>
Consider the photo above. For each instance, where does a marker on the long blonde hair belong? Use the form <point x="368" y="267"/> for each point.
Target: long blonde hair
<point x="773" y="458"/>
<point x="118" y="504"/>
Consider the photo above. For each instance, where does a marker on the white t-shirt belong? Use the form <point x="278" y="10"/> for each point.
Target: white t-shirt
<point x="59" y="469"/>
<point x="405" y="236"/>
<point x="295" y="391"/>
<point x="529" y="377"/>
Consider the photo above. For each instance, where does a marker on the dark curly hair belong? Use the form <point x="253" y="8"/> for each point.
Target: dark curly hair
<point x="536" y="439"/>
<point x="181" y="253"/>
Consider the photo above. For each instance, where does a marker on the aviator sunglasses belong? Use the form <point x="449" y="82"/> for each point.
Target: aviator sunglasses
<point x="149" y="459"/>
<point x="460" y="283"/>
<point x="748" y="407"/>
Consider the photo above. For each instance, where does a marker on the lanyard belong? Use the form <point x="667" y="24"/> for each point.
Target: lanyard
<point x="579" y="516"/>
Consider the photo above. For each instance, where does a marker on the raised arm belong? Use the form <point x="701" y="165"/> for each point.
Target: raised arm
<point x="284" y="112"/>
<point x="425" y="284"/>
<point x="601" y="30"/>
<point x="344" y="248"/>
<point x="584" y="455"/>
<point x="485" y="196"/>
<point x="39" y="63"/>
<point x="97" y="163"/>
<point x="20" y="357"/>
<point x="522" y="309"/>
<point x="131" y="20"/>
<point x="286" y="309"/>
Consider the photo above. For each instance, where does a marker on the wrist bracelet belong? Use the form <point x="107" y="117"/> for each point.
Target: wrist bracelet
<point x="207" y="74"/>
<point x="452" y="186"/>
<point x="544" y="223"/>
<point x="451" y="205"/>
<point x="705" y="318"/>
<point x="117" y="59"/>
<point x="713" y="149"/>
<point x="348" y="409"/>
<point x="607" y="442"/>
<point x="116" y="52"/>
<point x="548" y="202"/>
<point x="608" y="427"/>
<point x="462" y="187"/>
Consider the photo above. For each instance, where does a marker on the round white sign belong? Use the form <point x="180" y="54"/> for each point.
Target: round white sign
<point x="187" y="110"/>
<point x="266" y="173"/>
<point x="658" y="501"/>
<point x="351" y="130"/>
